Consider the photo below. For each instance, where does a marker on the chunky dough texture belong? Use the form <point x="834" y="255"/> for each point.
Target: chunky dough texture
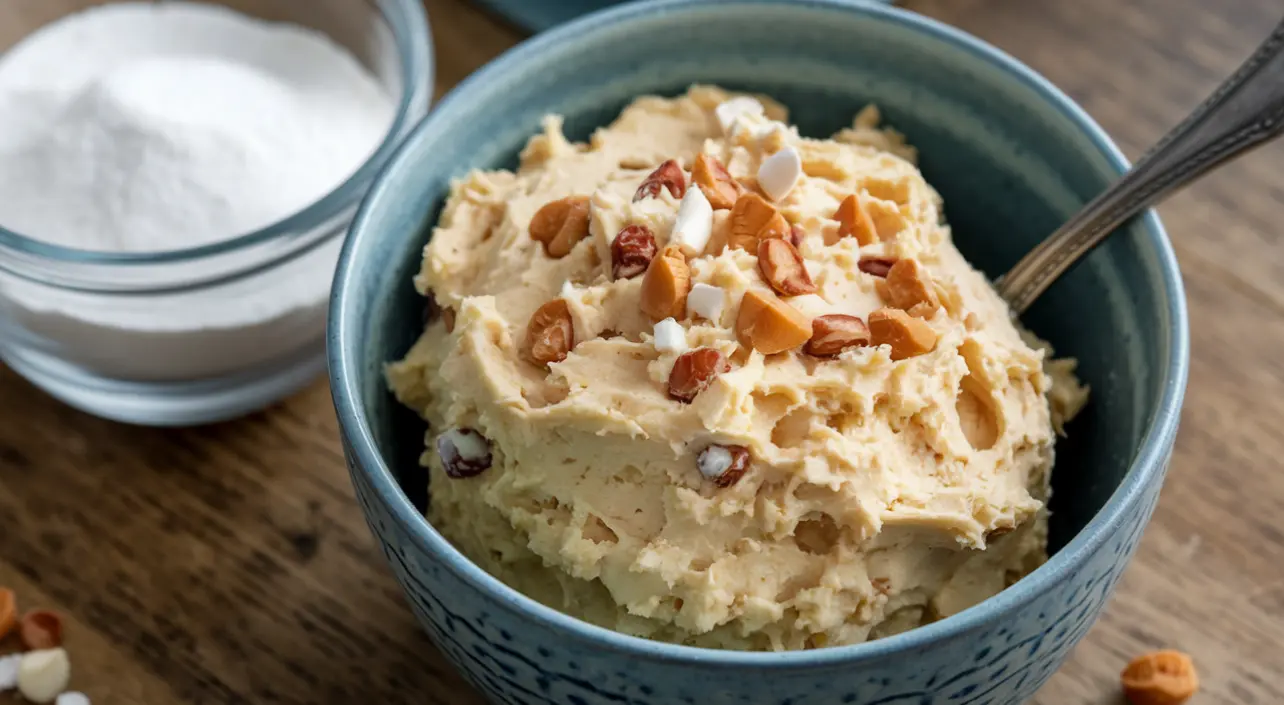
<point x="881" y="495"/>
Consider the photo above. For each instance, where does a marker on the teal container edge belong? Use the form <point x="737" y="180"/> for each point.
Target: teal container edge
<point x="538" y="15"/>
<point x="1011" y="155"/>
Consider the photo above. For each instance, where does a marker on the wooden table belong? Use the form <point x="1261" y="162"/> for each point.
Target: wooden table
<point x="230" y="563"/>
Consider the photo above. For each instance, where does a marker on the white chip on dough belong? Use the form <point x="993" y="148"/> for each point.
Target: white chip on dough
<point x="811" y="305"/>
<point x="714" y="461"/>
<point x="72" y="698"/>
<point x="670" y="337"/>
<point x="43" y="675"/>
<point x="568" y="289"/>
<point x="779" y="173"/>
<point x="706" y="301"/>
<point x="9" y="671"/>
<point x="729" y="111"/>
<point x="469" y="444"/>
<point x="694" y="223"/>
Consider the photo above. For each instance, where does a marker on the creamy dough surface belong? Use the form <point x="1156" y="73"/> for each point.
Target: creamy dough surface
<point x="880" y="494"/>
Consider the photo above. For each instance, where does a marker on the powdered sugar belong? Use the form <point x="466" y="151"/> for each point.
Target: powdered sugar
<point x="144" y="127"/>
<point x="173" y="125"/>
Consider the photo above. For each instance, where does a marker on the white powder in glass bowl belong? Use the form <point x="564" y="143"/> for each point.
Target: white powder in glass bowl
<point x="141" y="127"/>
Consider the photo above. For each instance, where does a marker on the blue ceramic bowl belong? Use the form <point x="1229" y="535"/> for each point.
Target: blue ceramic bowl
<point x="539" y="15"/>
<point x="1011" y="155"/>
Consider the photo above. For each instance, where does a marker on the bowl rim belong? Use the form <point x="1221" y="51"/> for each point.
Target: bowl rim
<point x="408" y="24"/>
<point x="1147" y="466"/>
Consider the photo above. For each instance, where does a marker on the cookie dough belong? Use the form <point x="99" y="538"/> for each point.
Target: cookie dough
<point x="689" y="480"/>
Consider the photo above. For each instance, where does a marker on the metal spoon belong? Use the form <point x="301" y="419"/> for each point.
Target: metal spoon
<point x="1244" y="112"/>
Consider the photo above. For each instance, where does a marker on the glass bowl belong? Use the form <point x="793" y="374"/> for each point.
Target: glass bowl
<point x="209" y="333"/>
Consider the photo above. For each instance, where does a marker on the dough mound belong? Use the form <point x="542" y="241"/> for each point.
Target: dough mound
<point x="880" y="494"/>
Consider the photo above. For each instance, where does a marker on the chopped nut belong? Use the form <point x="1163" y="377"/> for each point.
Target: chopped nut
<point x="876" y="266"/>
<point x="693" y="371"/>
<point x="769" y="325"/>
<point x="632" y="251"/>
<point x="448" y="317"/>
<point x="779" y="173"/>
<point x="922" y="310"/>
<point x="665" y="286"/>
<point x="908" y="287"/>
<point x="431" y="310"/>
<point x="949" y="298"/>
<point x="1160" y="678"/>
<point x="40" y="629"/>
<point x="753" y="219"/>
<point x="8" y="611"/>
<point x="463" y="452"/>
<point x="723" y="464"/>
<point x="854" y="221"/>
<point x="783" y="269"/>
<point x="550" y="335"/>
<point x="560" y="224"/>
<point x="833" y="333"/>
<point x="715" y="181"/>
<point x="907" y="336"/>
<point x="669" y="176"/>
<point x="796" y="235"/>
<point x="882" y="585"/>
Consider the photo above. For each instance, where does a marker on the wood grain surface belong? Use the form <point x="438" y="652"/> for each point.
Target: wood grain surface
<point x="230" y="564"/>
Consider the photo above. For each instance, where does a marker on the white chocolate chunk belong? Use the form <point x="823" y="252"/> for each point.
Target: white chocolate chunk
<point x="729" y="111"/>
<point x="714" y="461"/>
<point x="72" y="698"/>
<point x="670" y="337"/>
<point x="811" y="304"/>
<point x="694" y="223"/>
<point x="568" y="290"/>
<point x="779" y="173"/>
<point x="706" y="301"/>
<point x="759" y="129"/>
<point x="43" y="675"/>
<point x="470" y="445"/>
<point x="9" y="672"/>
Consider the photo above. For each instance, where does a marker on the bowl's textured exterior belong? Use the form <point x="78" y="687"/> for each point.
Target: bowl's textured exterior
<point x="1011" y="156"/>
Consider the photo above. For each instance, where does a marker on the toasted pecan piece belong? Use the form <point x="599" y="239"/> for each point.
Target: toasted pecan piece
<point x="1160" y="678"/>
<point x="783" y="269"/>
<point x="907" y="336"/>
<point x="754" y="219"/>
<point x="666" y="176"/>
<point x="559" y="224"/>
<point x="769" y="325"/>
<point x="550" y="335"/>
<point x="666" y="285"/>
<point x="854" y="221"/>
<point x="715" y="181"/>
<point x="833" y="333"/>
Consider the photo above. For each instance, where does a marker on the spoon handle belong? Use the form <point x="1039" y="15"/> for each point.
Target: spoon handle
<point x="1244" y="112"/>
